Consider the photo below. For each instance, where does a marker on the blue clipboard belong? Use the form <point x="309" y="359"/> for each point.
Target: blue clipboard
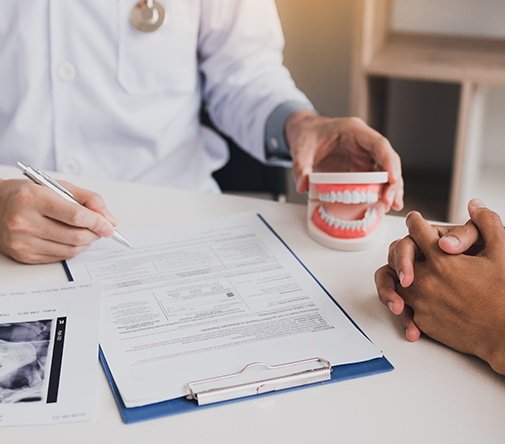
<point x="183" y="405"/>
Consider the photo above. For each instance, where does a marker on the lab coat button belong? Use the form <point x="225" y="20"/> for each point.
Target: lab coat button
<point x="274" y="143"/>
<point x="66" y="71"/>
<point x="70" y="166"/>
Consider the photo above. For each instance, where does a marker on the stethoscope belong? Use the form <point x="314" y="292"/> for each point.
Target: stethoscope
<point x="147" y="15"/>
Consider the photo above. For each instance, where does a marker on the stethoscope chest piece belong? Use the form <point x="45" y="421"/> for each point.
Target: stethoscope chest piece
<point x="147" y="15"/>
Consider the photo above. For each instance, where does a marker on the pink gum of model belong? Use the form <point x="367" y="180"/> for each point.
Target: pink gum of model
<point x="343" y="211"/>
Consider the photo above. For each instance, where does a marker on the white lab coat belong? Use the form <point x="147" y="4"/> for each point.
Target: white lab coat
<point x="83" y="92"/>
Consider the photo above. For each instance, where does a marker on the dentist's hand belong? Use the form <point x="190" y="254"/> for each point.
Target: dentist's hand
<point x="342" y="145"/>
<point x="38" y="226"/>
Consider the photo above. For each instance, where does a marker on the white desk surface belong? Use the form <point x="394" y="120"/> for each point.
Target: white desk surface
<point x="434" y="395"/>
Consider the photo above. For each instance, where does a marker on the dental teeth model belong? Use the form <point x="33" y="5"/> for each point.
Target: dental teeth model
<point x="343" y="208"/>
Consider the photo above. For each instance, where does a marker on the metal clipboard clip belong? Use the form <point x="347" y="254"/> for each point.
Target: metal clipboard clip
<point x="208" y="391"/>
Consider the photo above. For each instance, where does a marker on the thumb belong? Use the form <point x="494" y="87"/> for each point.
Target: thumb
<point x="459" y="238"/>
<point x="302" y="167"/>
<point x="490" y="227"/>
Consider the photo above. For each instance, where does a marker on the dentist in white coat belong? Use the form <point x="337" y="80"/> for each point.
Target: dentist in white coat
<point x="87" y="90"/>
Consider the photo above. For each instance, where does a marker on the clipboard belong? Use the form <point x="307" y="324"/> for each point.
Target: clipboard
<point x="220" y="389"/>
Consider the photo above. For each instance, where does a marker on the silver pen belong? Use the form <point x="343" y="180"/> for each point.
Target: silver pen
<point x="41" y="178"/>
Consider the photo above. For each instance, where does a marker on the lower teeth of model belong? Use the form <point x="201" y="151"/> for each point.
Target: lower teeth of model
<point x="361" y="224"/>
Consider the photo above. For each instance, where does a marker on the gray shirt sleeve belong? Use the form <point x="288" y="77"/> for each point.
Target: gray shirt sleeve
<point x="276" y="144"/>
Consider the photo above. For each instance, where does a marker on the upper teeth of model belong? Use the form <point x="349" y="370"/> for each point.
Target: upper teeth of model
<point x="368" y="219"/>
<point x="349" y="197"/>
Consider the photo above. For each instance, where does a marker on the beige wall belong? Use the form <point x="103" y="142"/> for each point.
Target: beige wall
<point x="318" y="34"/>
<point x="318" y="50"/>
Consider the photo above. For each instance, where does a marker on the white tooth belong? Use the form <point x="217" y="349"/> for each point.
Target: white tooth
<point x="322" y="197"/>
<point x="372" y="197"/>
<point x="339" y="196"/>
<point x="363" y="197"/>
<point x="332" y="197"/>
<point x="356" y="197"/>
<point x="347" y="197"/>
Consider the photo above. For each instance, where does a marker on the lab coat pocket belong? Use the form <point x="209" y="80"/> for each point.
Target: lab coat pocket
<point x="163" y="60"/>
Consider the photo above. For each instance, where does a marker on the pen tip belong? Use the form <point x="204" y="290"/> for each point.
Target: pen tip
<point x="119" y="238"/>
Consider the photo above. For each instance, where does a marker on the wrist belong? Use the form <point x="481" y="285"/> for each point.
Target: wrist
<point x="492" y="343"/>
<point x="295" y="124"/>
<point x="496" y="357"/>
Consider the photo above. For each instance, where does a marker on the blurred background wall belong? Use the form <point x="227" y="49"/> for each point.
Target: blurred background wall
<point x="421" y="116"/>
<point x="318" y="52"/>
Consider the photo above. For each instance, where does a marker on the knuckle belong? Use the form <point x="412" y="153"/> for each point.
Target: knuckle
<point x="393" y="245"/>
<point x="491" y="217"/>
<point x="71" y="252"/>
<point x="355" y="121"/>
<point x="298" y="165"/>
<point x="15" y="222"/>
<point x="76" y="218"/>
<point x="384" y="142"/>
<point x="16" y="246"/>
<point x="378" y="275"/>
<point x="79" y="238"/>
<point x="99" y="227"/>
<point x="97" y="199"/>
<point x="23" y="195"/>
<point x="18" y="252"/>
<point x="30" y="259"/>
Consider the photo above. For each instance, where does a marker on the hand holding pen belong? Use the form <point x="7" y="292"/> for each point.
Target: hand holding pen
<point x="38" y="225"/>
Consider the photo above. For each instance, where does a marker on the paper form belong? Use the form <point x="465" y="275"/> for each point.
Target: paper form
<point x="48" y="354"/>
<point x="207" y="301"/>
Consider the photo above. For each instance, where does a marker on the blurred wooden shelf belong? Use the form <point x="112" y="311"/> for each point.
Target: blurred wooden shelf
<point x="440" y="58"/>
<point x="472" y="63"/>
